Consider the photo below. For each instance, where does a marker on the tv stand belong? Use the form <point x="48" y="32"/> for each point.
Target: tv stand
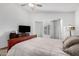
<point x="14" y="35"/>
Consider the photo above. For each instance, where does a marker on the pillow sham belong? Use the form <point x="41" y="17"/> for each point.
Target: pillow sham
<point x="73" y="50"/>
<point x="70" y="41"/>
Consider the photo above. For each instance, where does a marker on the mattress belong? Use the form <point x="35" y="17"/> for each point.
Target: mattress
<point x="38" y="47"/>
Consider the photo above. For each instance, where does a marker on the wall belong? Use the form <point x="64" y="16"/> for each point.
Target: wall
<point x="77" y="19"/>
<point x="11" y="16"/>
<point x="77" y="22"/>
<point x="66" y="17"/>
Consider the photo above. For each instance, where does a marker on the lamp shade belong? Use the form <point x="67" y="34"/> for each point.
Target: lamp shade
<point x="71" y="28"/>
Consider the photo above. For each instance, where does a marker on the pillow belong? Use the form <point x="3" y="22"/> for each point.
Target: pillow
<point x="65" y="39"/>
<point x="70" y="41"/>
<point x="69" y="37"/>
<point x="73" y="50"/>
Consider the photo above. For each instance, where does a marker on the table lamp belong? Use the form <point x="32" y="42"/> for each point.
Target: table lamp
<point x="70" y="29"/>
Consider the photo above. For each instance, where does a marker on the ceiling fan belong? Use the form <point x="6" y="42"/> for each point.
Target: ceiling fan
<point x="32" y="4"/>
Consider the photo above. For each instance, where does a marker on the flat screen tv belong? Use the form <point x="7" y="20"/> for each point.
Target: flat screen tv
<point x="23" y="28"/>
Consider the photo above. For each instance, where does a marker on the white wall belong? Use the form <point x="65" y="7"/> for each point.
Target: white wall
<point x="77" y="19"/>
<point x="11" y="16"/>
<point x="67" y="19"/>
<point x="77" y="22"/>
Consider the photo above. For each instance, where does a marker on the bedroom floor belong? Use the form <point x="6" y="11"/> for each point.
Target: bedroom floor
<point x="3" y="52"/>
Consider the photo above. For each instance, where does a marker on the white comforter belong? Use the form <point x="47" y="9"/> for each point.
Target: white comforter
<point x="38" y="47"/>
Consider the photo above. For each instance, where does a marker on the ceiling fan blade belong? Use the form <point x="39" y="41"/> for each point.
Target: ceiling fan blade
<point x="24" y="4"/>
<point x="39" y="5"/>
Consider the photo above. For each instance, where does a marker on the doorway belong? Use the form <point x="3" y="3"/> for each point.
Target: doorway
<point x="39" y="28"/>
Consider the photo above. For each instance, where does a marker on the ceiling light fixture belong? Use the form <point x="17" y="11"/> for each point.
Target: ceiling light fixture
<point x="31" y="4"/>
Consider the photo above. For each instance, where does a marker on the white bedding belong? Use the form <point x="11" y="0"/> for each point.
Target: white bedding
<point x="38" y="47"/>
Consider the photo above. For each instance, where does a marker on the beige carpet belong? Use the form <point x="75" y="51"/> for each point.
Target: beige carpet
<point x="3" y="52"/>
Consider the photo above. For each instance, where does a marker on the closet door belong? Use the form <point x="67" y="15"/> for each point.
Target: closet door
<point x="39" y="28"/>
<point x="56" y="29"/>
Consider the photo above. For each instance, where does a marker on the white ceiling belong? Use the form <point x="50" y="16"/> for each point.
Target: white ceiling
<point x="56" y="7"/>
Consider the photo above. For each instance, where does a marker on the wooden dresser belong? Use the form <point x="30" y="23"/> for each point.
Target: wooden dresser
<point x="17" y="39"/>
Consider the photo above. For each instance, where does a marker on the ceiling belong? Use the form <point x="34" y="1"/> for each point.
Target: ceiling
<point x="56" y="7"/>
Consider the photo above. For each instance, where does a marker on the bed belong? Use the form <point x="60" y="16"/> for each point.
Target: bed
<point x="38" y="47"/>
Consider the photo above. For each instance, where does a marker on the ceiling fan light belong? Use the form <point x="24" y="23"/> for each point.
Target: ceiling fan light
<point x="31" y="5"/>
